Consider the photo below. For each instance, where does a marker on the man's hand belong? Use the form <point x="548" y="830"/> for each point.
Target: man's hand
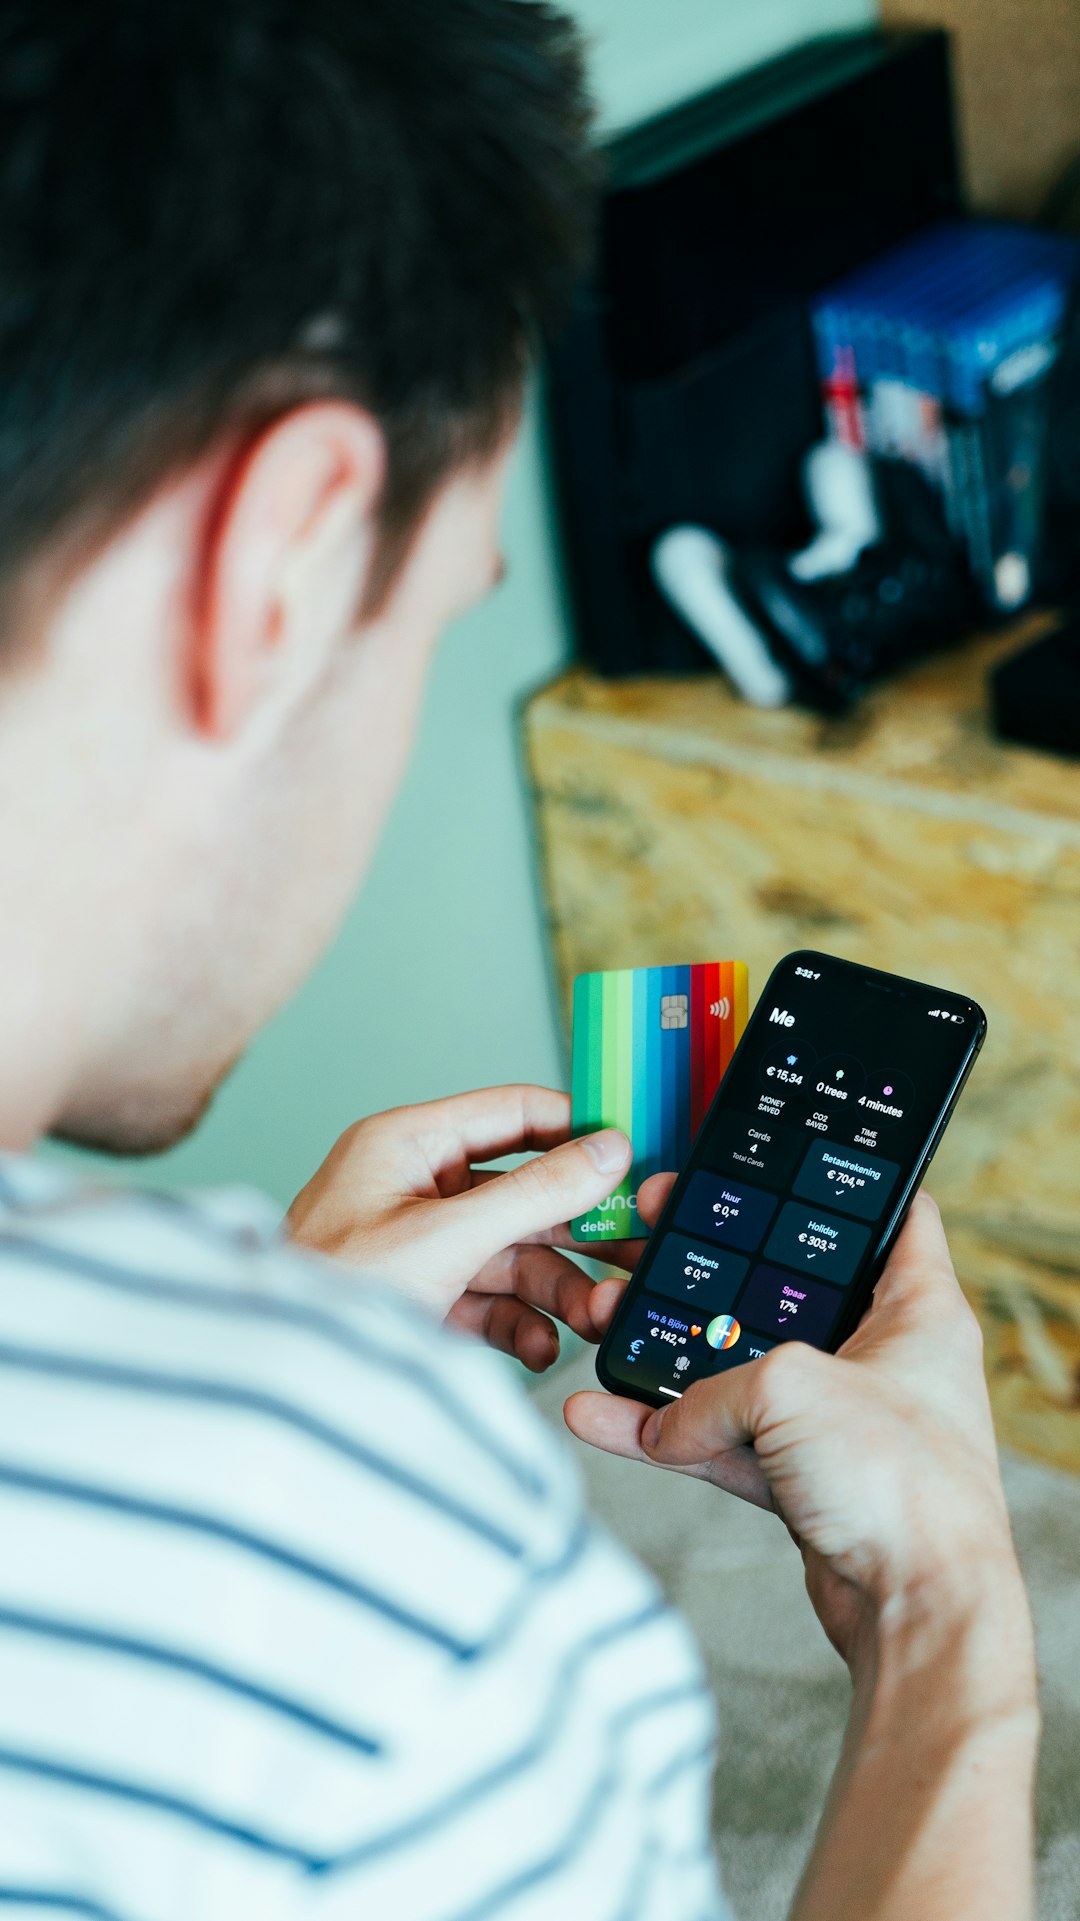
<point x="880" y="1459"/>
<point x="400" y="1196"/>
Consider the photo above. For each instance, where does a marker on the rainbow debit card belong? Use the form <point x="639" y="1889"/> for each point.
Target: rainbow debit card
<point x="650" y="1047"/>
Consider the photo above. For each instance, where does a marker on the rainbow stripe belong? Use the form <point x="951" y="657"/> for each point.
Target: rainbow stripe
<point x="654" y="1081"/>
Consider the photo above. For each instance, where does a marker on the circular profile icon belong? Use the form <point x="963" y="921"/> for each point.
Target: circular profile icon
<point x="723" y="1332"/>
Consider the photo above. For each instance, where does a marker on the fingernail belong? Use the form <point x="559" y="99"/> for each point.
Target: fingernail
<point x="608" y="1149"/>
<point x="650" y="1433"/>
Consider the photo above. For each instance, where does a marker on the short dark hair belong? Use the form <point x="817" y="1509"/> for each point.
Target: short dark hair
<point x="211" y="209"/>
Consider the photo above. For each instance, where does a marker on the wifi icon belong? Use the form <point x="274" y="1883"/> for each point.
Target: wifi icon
<point x="721" y="1009"/>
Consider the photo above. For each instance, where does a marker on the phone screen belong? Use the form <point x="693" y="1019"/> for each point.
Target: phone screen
<point x="800" y="1176"/>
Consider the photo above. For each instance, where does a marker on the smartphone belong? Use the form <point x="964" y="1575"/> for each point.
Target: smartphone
<point x="800" y="1177"/>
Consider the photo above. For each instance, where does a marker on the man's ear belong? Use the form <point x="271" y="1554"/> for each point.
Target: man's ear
<point x="284" y="562"/>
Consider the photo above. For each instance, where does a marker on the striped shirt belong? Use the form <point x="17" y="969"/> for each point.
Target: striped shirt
<point x="300" y="1612"/>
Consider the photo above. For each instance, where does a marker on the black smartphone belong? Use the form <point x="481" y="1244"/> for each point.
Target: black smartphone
<point x="800" y="1176"/>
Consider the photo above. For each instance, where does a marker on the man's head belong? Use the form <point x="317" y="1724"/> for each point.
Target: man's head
<point x="270" y="272"/>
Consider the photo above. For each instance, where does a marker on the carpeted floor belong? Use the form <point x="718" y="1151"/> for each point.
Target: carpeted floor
<point x="781" y="1690"/>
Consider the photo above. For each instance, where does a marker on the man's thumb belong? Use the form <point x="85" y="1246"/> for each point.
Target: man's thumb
<point x="541" y="1193"/>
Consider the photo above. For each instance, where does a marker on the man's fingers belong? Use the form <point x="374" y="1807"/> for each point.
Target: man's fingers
<point x="918" y="1294"/>
<point x="735" y="1408"/>
<point x="652" y="1194"/>
<point x="604" y="1298"/>
<point x="614" y="1426"/>
<point x="546" y="1280"/>
<point x="624" y="1254"/>
<point x="509" y="1325"/>
<point x="922" y="1240"/>
<point x="921" y="1329"/>
<point x="488" y="1121"/>
<point x="539" y="1194"/>
<point x="608" y="1423"/>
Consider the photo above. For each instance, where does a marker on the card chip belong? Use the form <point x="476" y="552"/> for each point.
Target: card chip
<point x="674" y="1010"/>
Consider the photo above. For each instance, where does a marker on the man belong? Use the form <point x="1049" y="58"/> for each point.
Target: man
<point x="299" y="1612"/>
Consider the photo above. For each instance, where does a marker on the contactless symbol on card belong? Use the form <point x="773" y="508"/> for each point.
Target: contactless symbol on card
<point x="651" y="1045"/>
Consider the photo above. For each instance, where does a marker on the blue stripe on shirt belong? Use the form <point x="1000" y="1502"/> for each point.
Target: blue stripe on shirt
<point x="205" y="1389"/>
<point x="584" y="1820"/>
<point x="158" y="1801"/>
<point x="206" y="1295"/>
<point x="703" y="1755"/>
<point x="56" y="1901"/>
<point x="154" y="1800"/>
<point x="69" y="1778"/>
<point x="60" y="1488"/>
<point x="80" y="1634"/>
<point x="559" y="1702"/>
<point x="541" y="1576"/>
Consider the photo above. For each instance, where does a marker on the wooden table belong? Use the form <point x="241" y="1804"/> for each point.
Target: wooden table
<point x="676" y="823"/>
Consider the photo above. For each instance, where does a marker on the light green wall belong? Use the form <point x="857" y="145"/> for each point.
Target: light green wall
<point x="438" y="980"/>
